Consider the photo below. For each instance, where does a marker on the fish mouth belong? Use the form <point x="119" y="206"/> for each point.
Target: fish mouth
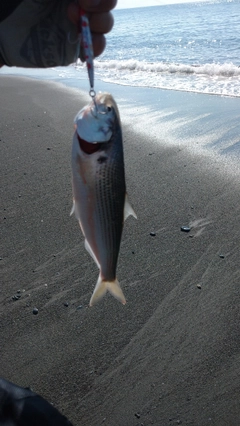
<point x="89" y="147"/>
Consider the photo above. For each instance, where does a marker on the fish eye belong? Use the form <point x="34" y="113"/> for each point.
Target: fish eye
<point x="109" y="108"/>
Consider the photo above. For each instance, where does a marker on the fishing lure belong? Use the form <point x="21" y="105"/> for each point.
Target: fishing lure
<point x="88" y="50"/>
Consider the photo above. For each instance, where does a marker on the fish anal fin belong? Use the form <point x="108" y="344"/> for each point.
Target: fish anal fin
<point x="128" y="210"/>
<point x="88" y="248"/>
<point x="103" y="286"/>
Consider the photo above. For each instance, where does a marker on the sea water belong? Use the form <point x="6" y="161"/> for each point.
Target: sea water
<point x="190" y="50"/>
<point x="190" y="47"/>
<point x="193" y="47"/>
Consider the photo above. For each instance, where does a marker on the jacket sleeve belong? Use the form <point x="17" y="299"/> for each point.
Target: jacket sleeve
<point x="7" y="7"/>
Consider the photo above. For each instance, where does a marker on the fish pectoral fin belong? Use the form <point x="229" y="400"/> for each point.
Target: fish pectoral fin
<point x="128" y="210"/>
<point x="73" y="208"/>
<point x="88" y="248"/>
<point x="103" y="286"/>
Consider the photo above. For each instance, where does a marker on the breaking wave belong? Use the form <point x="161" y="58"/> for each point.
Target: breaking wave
<point x="211" y="78"/>
<point x="225" y="70"/>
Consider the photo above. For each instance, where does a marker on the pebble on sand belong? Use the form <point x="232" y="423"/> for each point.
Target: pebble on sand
<point x="185" y="229"/>
<point x="35" y="311"/>
<point x="16" y="297"/>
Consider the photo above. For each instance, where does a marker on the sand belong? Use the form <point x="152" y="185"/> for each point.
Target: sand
<point x="171" y="354"/>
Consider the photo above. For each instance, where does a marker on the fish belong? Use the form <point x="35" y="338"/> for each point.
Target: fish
<point x="100" y="201"/>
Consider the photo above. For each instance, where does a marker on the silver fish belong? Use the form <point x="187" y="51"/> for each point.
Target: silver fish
<point x="100" y="202"/>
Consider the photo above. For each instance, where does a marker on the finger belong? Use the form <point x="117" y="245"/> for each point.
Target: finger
<point x="97" y="5"/>
<point x="103" y="6"/>
<point x="101" y="22"/>
<point x="99" y="43"/>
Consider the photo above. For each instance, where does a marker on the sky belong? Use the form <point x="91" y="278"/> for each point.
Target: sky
<point x="124" y="4"/>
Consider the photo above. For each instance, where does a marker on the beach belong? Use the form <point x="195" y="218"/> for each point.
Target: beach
<point x="171" y="354"/>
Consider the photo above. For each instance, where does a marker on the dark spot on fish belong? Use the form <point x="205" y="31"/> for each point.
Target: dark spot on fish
<point x="102" y="159"/>
<point x="109" y="108"/>
<point x="88" y="147"/>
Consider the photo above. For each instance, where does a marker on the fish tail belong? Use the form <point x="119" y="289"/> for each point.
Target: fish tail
<point x="103" y="286"/>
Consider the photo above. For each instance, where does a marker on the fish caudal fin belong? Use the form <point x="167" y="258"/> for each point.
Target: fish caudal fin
<point x="103" y="286"/>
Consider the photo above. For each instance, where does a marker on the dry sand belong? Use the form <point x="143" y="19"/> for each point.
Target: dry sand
<point x="171" y="355"/>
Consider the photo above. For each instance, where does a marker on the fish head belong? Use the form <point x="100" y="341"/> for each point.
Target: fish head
<point x="95" y="122"/>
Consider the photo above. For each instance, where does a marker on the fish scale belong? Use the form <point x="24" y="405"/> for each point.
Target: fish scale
<point x="111" y="216"/>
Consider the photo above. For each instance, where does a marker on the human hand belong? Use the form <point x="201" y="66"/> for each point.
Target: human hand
<point x="44" y="33"/>
<point x="100" y="20"/>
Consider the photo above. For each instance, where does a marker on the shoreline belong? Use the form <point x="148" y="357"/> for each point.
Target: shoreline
<point x="175" y="118"/>
<point x="172" y="351"/>
<point x="175" y="81"/>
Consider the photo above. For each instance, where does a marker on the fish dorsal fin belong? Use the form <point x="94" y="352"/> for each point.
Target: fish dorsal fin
<point x="128" y="210"/>
<point x="88" y="248"/>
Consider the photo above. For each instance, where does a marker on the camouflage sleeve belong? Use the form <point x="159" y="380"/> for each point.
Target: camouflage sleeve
<point x="38" y="34"/>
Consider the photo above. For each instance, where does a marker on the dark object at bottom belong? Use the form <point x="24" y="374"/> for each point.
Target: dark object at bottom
<point x="22" y="407"/>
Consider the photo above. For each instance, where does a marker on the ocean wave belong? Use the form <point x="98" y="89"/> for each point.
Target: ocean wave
<point x="210" y="78"/>
<point x="209" y="69"/>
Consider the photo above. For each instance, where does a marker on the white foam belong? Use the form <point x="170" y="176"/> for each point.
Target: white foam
<point x="211" y="78"/>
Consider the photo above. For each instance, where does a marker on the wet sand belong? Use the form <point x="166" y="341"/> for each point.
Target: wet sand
<point x="171" y="354"/>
